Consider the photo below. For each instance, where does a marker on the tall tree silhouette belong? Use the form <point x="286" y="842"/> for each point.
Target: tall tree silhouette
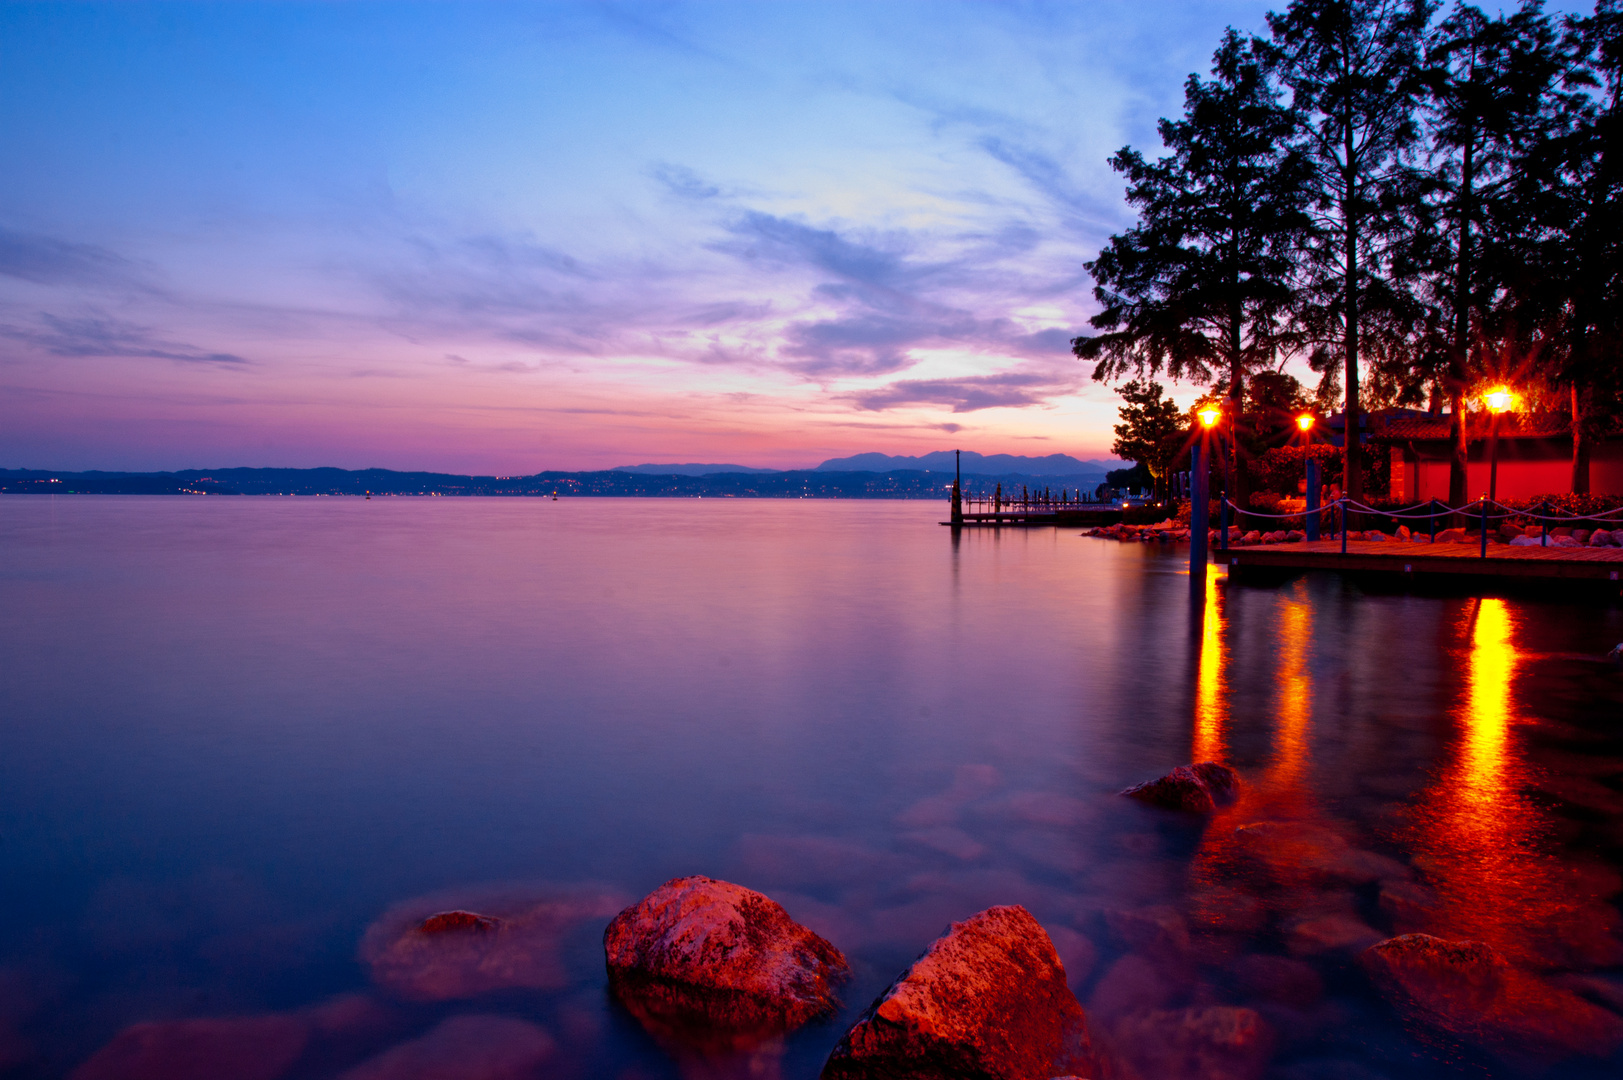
<point x="1353" y="70"/>
<point x="1197" y="288"/>
<point x="1488" y="82"/>
<point x="1566" y="214"/>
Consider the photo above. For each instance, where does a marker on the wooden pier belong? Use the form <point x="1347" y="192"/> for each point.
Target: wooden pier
<point x="1081" y="515"/>
<point x="1603" y="565"/>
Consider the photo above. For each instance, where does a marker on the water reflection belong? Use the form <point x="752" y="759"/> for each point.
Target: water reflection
<point x="1292" y="752"/>
<point x="1476" y="835"/>
<point x="1211" y="684"/>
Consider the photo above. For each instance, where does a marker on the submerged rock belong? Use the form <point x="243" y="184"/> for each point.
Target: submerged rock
<point x="1217" y="1042"/>
<point x="988" y="999"/>
<point x="463" y="1048"/>
<point x="1468" y="991"/>
<point x="713" y="955"/>
<point x="239" y="1047"/>
<point x="1198" y="788"/>
<point x="425" y="950"/>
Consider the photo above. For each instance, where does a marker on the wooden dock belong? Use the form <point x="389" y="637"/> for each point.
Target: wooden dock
<point x="1084" y="515"/>
<point x="1397" y="559"/>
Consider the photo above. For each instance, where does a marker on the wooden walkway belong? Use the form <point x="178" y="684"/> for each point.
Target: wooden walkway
<point x="1602" y="564"/>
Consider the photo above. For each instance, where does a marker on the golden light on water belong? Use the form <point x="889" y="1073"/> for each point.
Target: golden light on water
<point x="1477" y="837"/>
<point x="1488" y="705"/>
<point x="1211" y="690"/>
<point x="1292" y="751"/>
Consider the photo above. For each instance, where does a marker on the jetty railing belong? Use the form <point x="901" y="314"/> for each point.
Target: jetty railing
<point x="1544" y="514"/>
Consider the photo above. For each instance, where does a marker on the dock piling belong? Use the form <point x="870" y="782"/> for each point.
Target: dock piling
<point x="1199" y="517"/>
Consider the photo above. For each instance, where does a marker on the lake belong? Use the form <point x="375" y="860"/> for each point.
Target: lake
<point x="240" y="731"/>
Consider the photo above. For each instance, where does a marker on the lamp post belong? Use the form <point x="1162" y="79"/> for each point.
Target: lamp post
<point x="1310" y="478"/>
<point x="1498" y="400"/>
<point x="1200" y="471"/>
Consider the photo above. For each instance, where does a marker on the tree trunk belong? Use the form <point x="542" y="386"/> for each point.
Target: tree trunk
<point x="1580" y="443"/>
<point x="1459" y="352"/>
<point x="1459" y="445"/>
<point x="1352" y="475"/>
<point x="1238" y="484"/>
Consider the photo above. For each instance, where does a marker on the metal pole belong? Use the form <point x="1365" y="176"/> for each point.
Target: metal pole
<point x="1431" y="521"/>
<point x="1493" y="458"/>
<point x="1543" y="526"/>
<point x="1223" y="522"/>
<point x="1484" y="526"/>
<point x="1312" y="516"/>
<point x="1341" y="519"/>
<point x="1199" y="514"/>
<point x="957" y="489"/>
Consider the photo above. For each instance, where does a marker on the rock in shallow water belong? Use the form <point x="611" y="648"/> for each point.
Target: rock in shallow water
<point x="1468" y="991"/>
<point x="697" y="951"/>
<point x="988" y="1000"/>
<point x="424" y="951"/>
<point x="240" y="1047"/>
<point x="1198" y="788"/>
<point x="463" y="1048"/>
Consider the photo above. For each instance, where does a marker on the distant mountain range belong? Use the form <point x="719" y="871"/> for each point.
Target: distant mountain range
<point x="748" y="484"/>
<point x="688" y="470"/>
<point x="1053" y="465"/>
<point x="973" y="464"/>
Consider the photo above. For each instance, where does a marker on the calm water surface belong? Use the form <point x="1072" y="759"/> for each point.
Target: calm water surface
<point x="237" y="732"/>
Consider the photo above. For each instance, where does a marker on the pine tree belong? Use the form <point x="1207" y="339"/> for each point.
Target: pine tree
<point x="1353" y="70"/>
<point x="1488" y="82"/>
<point x="1198" y="287"/>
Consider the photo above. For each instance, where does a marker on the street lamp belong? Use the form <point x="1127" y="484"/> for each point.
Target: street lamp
<point x="1210" y="415"/>
<point x="1304" y="423"/>
<point x="1498" y="400"/>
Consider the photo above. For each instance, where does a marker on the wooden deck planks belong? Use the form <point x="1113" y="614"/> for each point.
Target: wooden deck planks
<point x="1394" y="557"/>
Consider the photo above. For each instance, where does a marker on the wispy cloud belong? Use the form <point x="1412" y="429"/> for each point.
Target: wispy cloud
<point x="46" y="260"/>
<point x="103" y="336"/>
<point x="969" y="394"/>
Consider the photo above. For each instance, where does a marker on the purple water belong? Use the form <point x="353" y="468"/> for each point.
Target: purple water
<point x="239" y="731"/>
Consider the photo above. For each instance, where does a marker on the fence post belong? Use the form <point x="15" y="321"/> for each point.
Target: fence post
<point x="1199" y="518"/>
<point x="1431" y="520"/>
<point x="1223" y="523"/>
<point x="1341" y="519"/>
<point x="1311" y="520"/>
<point x="1484" y="526"/>
<point x="1543" y="526"/>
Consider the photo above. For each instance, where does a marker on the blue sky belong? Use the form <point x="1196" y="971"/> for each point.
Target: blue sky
<point x="502" y="238"/>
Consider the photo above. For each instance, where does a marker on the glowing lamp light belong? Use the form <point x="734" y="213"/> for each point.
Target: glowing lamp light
<point x="1210" y="416"/>
<point x="1304" y="422"/>
<point x="1498" y="399"/>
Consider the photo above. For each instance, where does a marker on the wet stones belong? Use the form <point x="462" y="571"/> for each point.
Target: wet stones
<point x="1217" y="1042"/>
<point x="242" y="1047"/>
<point x="424" y="950"/>
<point x="463" y="1048"/>
<point x="697" y="952"/>
<point x="1197" y="789"/>
<point x="1468" y="991"/>
<point x="988" y="999"/>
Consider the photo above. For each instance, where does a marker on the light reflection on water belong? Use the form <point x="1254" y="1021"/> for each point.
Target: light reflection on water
<point x="239" y="731"/>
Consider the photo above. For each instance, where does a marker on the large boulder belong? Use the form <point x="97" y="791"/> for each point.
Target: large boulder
<point x="1469" y="992"/>
<point x="431" y="949"/>
<point x="1198" y="788"/>
<point x="709" y="955"/>
<point x="988" y="1000"/>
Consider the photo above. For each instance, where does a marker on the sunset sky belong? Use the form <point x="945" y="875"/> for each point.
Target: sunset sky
<point x="505" y="238"/>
